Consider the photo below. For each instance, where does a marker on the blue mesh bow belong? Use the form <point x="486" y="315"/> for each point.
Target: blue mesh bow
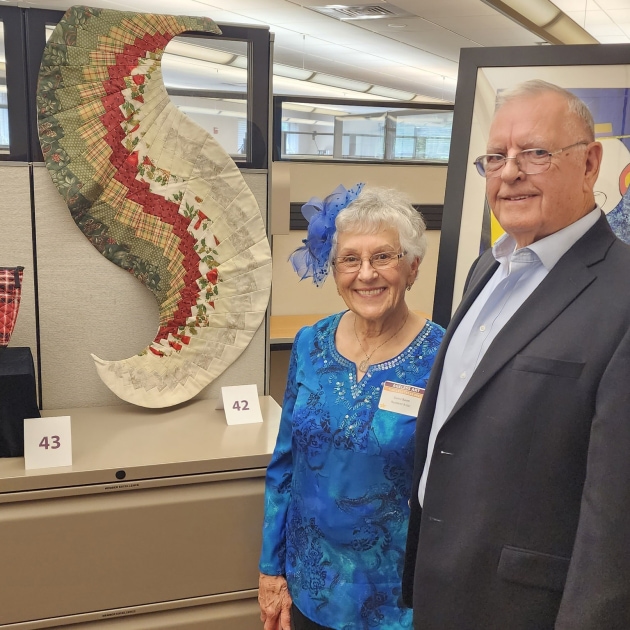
<point x="311" y="260"/>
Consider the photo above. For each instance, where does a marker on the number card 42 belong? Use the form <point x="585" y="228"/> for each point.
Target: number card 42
<point x="241" y="404"/>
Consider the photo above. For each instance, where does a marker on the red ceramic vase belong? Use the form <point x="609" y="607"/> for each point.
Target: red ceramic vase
<point x="10" y="294"/>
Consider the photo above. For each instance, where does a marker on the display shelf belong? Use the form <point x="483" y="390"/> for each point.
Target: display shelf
<point x="192" y="438"/>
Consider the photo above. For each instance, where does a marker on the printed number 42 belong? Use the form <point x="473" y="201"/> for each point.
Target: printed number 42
<point x="243" y="405"/>
<point x="53" y="442"/>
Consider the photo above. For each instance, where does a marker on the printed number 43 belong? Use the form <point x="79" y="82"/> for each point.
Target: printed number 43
<point x="243" y="405"/>
<point x="53" y="442"/>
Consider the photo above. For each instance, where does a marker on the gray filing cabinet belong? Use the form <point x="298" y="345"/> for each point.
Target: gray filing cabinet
<point x="156" y="525"/>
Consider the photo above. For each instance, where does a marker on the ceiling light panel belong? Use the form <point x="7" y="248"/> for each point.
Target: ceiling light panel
<point x="360" y="12"/>
<point x="292" y="73"/>
<point x="391" y="93"/>
<point x="340" y="82"/>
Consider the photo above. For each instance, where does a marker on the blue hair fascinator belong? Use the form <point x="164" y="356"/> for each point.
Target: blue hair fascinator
<point x="311" y="260"/>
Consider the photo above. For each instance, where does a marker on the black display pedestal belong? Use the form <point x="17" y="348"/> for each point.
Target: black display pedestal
<point x="18" y="399"/>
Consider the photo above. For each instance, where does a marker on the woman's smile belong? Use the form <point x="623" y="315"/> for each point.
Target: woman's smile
<point x="370" y="292"/>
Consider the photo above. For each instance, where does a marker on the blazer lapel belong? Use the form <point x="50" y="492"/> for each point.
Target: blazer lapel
<point x="569" y="277"/>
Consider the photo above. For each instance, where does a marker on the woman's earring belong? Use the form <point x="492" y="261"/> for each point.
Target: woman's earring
<point x="409" y="287"/>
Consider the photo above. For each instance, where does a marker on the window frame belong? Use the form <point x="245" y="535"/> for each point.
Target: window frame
<point x="279" y="100"/>
<point x="25" y="39"/>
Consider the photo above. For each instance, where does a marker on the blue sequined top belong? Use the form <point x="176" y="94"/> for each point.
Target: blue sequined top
<point x="339" y="480"/>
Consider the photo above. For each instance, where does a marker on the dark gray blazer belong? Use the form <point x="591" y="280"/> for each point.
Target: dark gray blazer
<point x="526" y="518"/>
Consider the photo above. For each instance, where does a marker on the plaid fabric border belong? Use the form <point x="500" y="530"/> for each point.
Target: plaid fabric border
<point x="98" y="156"/>
<point x="109" y="44"/>
<point x="89" y="91"/>
<point x="129" y="213"/>
<point x="87" y="111"/>
<point x="92" y="130"/>
<point x="101" y="58"/>
<point x="115" y="193"/>
<point x="153" y="230"/>
<point x="95" y="73"/>
<point x="122" y="35"/>
<point x="133" y="27"/>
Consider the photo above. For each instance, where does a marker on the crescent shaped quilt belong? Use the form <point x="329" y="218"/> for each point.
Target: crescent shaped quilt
<point x="156" y="195"/>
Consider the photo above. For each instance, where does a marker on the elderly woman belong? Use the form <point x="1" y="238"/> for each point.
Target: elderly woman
<point x="339" y="480"/>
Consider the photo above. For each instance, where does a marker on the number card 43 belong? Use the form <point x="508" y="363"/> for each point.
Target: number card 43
<point x="47" y="442"/>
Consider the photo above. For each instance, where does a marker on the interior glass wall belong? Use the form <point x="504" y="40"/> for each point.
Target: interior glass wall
<point x="359" y="131"/>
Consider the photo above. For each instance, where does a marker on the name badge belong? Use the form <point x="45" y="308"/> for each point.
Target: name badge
<point x="401" y="398"/>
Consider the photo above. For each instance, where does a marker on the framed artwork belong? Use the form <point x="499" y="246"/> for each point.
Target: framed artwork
<point x="598" y="74"/>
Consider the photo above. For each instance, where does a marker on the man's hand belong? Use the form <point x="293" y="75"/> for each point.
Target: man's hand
<point x="275" y="602"/>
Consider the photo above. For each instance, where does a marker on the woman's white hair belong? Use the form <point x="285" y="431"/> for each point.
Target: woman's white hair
<point x="376" y="209"/>
<point x="536" y="87"/>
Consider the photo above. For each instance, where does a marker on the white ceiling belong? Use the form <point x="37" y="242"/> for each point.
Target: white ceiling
<point x="417" y="54"/>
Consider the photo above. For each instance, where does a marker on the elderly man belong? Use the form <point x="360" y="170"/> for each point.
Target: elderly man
<point x="520" y="513"/>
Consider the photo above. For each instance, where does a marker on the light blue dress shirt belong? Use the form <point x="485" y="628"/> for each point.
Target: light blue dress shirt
<point x="520" y="271"/>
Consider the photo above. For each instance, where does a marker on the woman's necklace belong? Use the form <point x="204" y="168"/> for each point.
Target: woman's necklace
<point x="365" y="364"/>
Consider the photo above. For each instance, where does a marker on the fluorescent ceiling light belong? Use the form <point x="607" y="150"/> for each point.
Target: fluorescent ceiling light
<point x="308" y="121"/>
<point x="391" y="93"/>
<point x="340" y="82"/>
<point x="290" y="72"/>
<point x="240" y="61"/>
<point x="545" y="19"/>
<point x="326" y="111"/>
<point x="540" y="13"/>
<point x="191" y="109"/>
<point x="201" y="53"/>
<point x="303" y="107"/>
<point x="296" y="89"/>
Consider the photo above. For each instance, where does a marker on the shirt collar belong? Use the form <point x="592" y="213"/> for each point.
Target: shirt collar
<point x="553" y="247"/>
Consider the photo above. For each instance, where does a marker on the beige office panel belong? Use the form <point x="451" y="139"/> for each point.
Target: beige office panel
<point x="423" y="183"/>
<point x="79" y="554"/>
<point x="239" y="615"/>
<point x="16" y="246"/>
<point x="88" y="305"/>
<point x="257" y="182"/>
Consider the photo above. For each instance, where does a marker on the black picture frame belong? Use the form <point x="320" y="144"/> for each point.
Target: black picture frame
<point x="523" y="62"/>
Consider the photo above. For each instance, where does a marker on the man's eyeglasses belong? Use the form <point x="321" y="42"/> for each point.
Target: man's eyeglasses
<point x="530" y="161"/>
<point x="382" y="260"/>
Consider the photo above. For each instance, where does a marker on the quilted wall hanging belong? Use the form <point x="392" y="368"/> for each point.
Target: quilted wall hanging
<point x="156" y="195"/>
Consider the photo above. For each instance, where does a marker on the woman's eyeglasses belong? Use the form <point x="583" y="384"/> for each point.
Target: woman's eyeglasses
<point x="383" y="260"/>
<point x="530" y="161"/>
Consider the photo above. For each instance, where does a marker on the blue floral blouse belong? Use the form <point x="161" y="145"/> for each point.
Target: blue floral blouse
<point x="339" y="480"/>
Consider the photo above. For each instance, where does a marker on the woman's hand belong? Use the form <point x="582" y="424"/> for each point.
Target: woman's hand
<point x="275" y="602"/>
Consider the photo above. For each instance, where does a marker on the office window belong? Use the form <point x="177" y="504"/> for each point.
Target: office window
<point x="206" y="79"/>
<point x="319" y="129"/>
